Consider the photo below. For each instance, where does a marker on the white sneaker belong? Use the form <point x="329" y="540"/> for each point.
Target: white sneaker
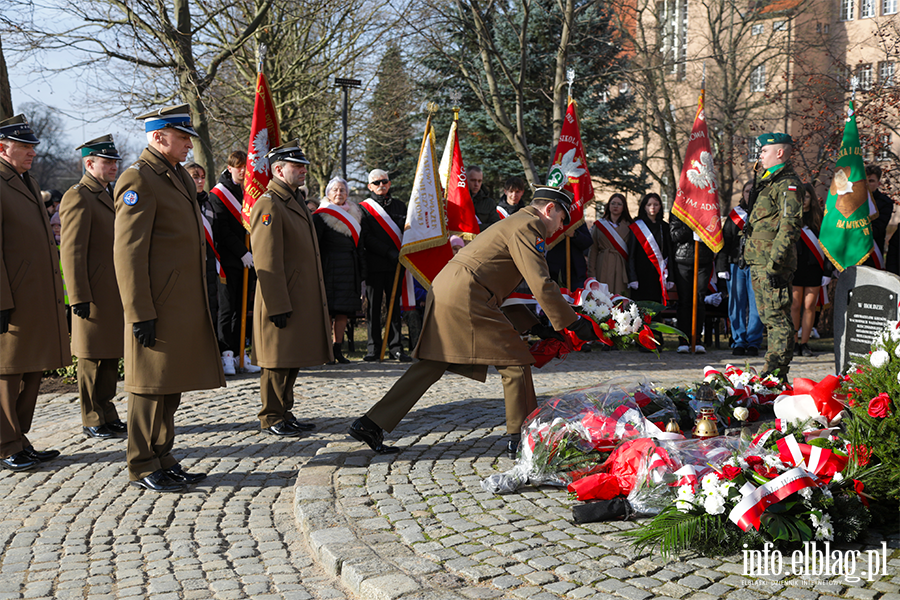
<point x="698" y="349"/>
<point x="813" y="333"/>
<point x="685" y="349"/>
<point x="228" y="362"/>
<point x="248" y="366"/>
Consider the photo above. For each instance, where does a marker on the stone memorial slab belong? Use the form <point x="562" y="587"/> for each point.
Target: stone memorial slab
<point x="865" y="302"/>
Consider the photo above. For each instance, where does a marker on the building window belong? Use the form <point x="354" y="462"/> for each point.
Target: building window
<point x="826" y="28"/>
<point x="674" y="15"/>
<point x="846" y="13"/>
<point x="886" y="74"/>
<point x="864" y="72"/>
<point x="866" y="9"/>
<point x="780" y="25"/>
<point x="757" y="29"/>
<point x="758" y="79"/>
<point x="888" y="7"/>
<point x="884" y="151"/>
<point x="752" y="150"/>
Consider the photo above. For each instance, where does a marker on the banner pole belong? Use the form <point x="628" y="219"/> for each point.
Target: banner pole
<point x="244" y="308"/>
<point x="387" y="325"/>
<point x="694" y="299"/>
<point x="569" y="263"/>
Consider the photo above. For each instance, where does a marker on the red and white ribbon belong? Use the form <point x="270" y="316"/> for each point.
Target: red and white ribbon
<point x="344" y="217"/>
<point x="812" y="458"/>
<point x="877" y="257"/>
<point x="408" y="294"/>
<point x="231" y="203"/>
<point x="209" y="243"/>
<point x="738" y="216"/>
<point x="612" y="235"/>
<point x="747" y="512"/>
<point x="648" y="243"/>
<point x="386" y="222"/>
<point x="502" y="212"/>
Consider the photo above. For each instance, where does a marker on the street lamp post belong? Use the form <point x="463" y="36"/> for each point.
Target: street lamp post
<point x="345" y="85"/>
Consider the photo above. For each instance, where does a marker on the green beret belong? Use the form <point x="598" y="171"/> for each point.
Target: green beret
<point x="774" y="138"/>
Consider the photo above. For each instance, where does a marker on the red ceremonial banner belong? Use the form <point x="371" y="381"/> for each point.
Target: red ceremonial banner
<point x="264" y="136"/>
<point x="570" y="167"/>
<point x="697" y="200"/>
<point x="461" y="219"/>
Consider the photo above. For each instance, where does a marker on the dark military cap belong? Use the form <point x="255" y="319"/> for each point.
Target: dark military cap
<point x="774" y="138"/>
<point x="174" y="117"/>
<point x="560" y="197"/>
<point x="102" y="146"/>
<point x="17" y="128"/>
<point x="289" y="152"/>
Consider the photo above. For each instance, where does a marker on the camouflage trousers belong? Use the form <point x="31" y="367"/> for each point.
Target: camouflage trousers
<point x="774" y="306"/>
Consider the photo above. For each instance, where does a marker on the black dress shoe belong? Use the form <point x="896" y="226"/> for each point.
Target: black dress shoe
<point x="159" y="481"/>
<point x="401" y="356"/>
<point x="805" y="351"/>
<point x="370" y="358"/>
<point x="179" y="475"/>
<point x="512" y="448"/>
<point x="284" y="429"/>
<point x="40" y="455"/>
<point x="301" y="425"/>
<point x="118" y="427"/>
<point x="102" y="432"/>
<point x="752" y="351"/>
<point x="374" y="438"/>
<point x="739" y="351"/>
<point x="20" y="461"/>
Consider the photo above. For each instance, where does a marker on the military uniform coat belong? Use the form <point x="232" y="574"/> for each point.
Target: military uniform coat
<point x="160" y="259"/>
<point x="30" y="283"/>
<point x="88" y="218"/>
<point x="289" y="280"/>
<point x="463" y="323"/>
<point x="775" y="223"/>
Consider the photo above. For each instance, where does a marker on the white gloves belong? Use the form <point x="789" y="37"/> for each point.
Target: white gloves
<point x="670" y="285"/>
<point x="247" y="259"/>
<point x="633" y="285"/>
<point x="826" y="281"/>
<point x="714" y="299"/>
<point x="724" y="275"/>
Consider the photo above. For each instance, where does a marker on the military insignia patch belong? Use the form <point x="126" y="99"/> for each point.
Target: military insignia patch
<point x="130" y="198"/>
<point x="792" y="188"/>
<point x="267" y="219"/>
<point x="539" y="244"/>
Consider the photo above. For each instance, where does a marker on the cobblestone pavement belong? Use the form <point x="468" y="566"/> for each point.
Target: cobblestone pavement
<point x="321" y="517"/>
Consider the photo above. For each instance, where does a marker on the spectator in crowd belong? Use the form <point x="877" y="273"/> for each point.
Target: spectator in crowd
<point x="648" y="254"/>
<point x="382" y="228"/>
<point x="880" y="226"/>
<point x="485" y="207"/>
<point x="579" y="244"/>
<point x="213" y="277"/>
<point x="51" y="199"/>
<point x="746" y="326"/>
<point x="342" y="253"/>
<point x="609" y="251"/>
<point x="230" y="238"/>
<point x="683" y="250"/>
<point x="511" y="201"/>
<point x="813" y="271"/>
<point x="33" y="333"/>
<point x="457" y="244"/>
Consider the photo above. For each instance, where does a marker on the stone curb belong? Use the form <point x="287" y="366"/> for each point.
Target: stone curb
<point x="357" y="564"/>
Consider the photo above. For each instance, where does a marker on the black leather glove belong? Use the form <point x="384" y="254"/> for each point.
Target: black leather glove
<point x="82" y="309"/>
<point x="4" y="320"/>
<point x="546" y="332"/>
<point x="280" y="321"/>
<point x="779" y="281"/>
<point x="145" y="332"/>
<point x="584" y="329"/>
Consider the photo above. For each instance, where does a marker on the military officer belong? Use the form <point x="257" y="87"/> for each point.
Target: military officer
<point x="773" y="227"/>
<point x="160" y="254"/>
<point x="33" y="332"/>
<point x="464" y="329"/>
<point x="88" y="218"/>
<point x="291" y="324"/>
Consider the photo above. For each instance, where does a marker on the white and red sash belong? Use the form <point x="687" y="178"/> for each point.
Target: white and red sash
<point x="209" y="243"/>
<point x="812" y="242"/>
<point x="648" y="243"/>
<point x="503" y="214"/>
<point x="609" y="230"/>
<point x="386" y="222"/>
<point x="344" y="217"/>
<point x="748" y="511"/>
<point x="231" y="203"/>
<point x="408" y="293"/>
<point x="739" y="216"/>
<point x="877" y="257"/>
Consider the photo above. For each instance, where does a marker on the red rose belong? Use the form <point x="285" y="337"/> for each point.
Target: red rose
<point x="729" y="472"/>
<point x="754" y="415"/>
<point x="860" y="453"/>
<point x="753" y="461"/>
<point x="879" y="406"/>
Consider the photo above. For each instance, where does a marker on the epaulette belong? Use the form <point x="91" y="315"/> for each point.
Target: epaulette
<point x="136" y="166"/>
<point x="76" y="186"/>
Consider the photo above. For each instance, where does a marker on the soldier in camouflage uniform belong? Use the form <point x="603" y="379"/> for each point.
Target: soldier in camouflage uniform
<point x="773" y="228"/>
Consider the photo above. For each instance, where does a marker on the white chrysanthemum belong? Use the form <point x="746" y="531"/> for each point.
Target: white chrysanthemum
<point x="806" y="493"/>
<point x="895" y="333"/>
<point x="633" y="311"/>
<point x="731" y="462"/>
<point x="879" y="358"/>
<point x="898" y="377"/>
<point x="725" y="487"/>
<point x="683" y="506"/>
<point x="837" y="477"/>
<point x="773" y="461"/>
<point x="603" y="312"/>
<point x="714" y="504"/>
<point x="710" y="482"/>
<point x="741" y="379"/>
<point x="589" y="305"/>
<point x="685" y="492"/>
<point x="897" y="351"/>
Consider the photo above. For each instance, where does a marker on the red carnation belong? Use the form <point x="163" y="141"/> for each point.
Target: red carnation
<point x="879" y="406"/>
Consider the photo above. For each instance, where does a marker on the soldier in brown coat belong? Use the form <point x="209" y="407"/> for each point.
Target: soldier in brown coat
<point x="160" y="254"/>
<point x="290" y="324"/>
<point x="33" y="332"/>
<point x="88" y="218"/>
<point x="464" y="329"/>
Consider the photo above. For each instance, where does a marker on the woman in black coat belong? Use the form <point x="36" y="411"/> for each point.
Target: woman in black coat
<point x="642" y="274"/>
<point x="343" y="263"/>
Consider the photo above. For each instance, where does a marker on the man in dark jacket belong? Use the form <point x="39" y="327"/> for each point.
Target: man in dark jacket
<point x="383" y="220"/>
<point x="513" y="190"/>
<point x="580" y="241"/>
<point x="485" y="207"/>
<point x="683" y="244"/>
<point x="885" y="208"/>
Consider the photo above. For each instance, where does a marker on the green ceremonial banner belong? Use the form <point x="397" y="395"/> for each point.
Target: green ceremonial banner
<point x="846" y="234"/>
